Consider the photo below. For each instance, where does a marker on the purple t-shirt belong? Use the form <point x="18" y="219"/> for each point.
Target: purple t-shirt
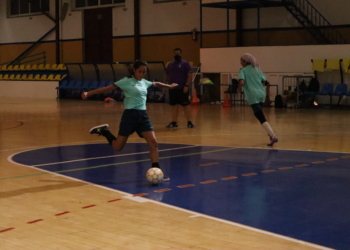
<point x="177" y="72"/>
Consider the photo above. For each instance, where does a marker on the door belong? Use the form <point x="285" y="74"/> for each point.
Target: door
<point x="98" y="42"/>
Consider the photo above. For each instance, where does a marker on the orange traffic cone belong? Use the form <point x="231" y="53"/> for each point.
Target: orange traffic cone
<point x="195" y="100"/>
<point x="227" y="103"/>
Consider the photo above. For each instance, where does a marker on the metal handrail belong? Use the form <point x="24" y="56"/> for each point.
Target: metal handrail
<point x="316" y="19"/>
<point x="19" y="62"/>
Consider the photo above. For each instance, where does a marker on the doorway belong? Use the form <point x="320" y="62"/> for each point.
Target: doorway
<point x="98" y="42"/>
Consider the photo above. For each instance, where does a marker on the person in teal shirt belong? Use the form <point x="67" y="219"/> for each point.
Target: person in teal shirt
<point x="135" y="117"/>
<point x="251" y="78"/>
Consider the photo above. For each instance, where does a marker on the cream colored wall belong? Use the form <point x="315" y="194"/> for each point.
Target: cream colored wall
<point x="271" y="58"/>
<point x="176" y="17"/>
<point x="29" y="89"/>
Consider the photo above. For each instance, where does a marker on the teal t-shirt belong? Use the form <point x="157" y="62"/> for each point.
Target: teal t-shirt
<point x="135" y="92"/>
<point x="253" y="88"/>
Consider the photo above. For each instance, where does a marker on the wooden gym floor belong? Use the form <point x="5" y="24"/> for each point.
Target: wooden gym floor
<point x="47" y="205"/>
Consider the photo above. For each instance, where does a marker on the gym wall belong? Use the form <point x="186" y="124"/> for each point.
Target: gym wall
<point x="164" y="26"/>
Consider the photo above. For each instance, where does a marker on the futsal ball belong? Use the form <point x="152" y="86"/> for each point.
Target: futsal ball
<point x="154" y="176"/>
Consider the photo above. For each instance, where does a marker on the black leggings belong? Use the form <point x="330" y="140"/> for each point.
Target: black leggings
<point x="258" y="113"/>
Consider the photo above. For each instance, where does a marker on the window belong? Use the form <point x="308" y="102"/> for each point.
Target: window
<point x="83" y="4"/>
<point x="24" y="8"/>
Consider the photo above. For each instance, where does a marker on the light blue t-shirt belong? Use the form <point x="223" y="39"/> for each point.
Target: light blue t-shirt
<point x="253" y="88"/>
<point x="135" y="92"/>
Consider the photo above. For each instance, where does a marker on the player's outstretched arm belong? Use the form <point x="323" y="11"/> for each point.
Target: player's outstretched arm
<point x="160" y="84"/>
<point x="85" y="95"/>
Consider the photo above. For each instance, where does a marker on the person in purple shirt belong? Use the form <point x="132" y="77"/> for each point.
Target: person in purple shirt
<point x="179" y="71"/>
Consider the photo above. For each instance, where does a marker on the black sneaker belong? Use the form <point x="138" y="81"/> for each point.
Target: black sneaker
<point x="190" y="125"/>
<point x="98" y="129"/>
<point x="172" y="125"/>
<point x="166" y="178"/>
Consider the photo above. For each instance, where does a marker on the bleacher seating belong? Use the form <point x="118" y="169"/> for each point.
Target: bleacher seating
<point x="327" y="89"/>
<point x="47" y="72"/>
<point x="340" y="90"/>
<point x="85" y="76"/>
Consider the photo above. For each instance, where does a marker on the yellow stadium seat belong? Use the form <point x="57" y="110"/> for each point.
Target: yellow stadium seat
<point x="37" y="77"/>
<point x="61" y="66"/>
<point x="34" y="67"/>
<point x="28" y="67"/>
<point x="47" y="67"/>
<point x="16" y="67"/>
<point x="54" y="66"/>
<point x="51" y="77"/>
<point x="18" y="77"/>
<point x="12" y="77"/>
<point x="5" y="77"/>
<point x="1" y="76"/>
<point x="10" y="67"/>
<point x="4" y="68"/>
<point x="41" y="66"/>
<point x="43" y="78"/>
<point x="22" y="67"/>
<point x="24" y="77"/>
<point x="30" y="77"/>
<point x="59" y="77"/>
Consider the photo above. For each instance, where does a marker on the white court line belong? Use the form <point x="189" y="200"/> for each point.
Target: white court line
<point x="51" y="146"/>
<point x="111" y="156"/>
<point x="10" y="157"/>
<point x="197" y="135"/>
<point x="192" y="213"/>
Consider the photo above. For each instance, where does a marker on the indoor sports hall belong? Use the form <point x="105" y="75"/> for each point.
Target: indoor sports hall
<point x="63" y="188"/>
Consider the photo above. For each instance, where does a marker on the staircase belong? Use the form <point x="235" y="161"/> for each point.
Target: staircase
<point x="313" y="21"/>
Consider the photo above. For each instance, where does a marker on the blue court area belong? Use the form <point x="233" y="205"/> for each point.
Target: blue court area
<point x="303" y="195"/>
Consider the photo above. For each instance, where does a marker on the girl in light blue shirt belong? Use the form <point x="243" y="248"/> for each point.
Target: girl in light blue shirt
<point x="251" y="78"/>
<point x="135" y="117"/>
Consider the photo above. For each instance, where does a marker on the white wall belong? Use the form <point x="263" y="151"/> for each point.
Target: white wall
<point x="276" y="62"/>
<point x="169" y="17"/>
<point x="288" y="59"/>
<point x="29" y="89"/>
<point x="123" y="20"/>
<point x="161" y="18"/>
<point x="71" y="27"/>
<point x="24" y="29"/>
<point x="274" y="17"/>
<point x="336" y="12"/>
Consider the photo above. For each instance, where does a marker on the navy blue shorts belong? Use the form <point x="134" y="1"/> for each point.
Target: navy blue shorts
<point x="178" y="97"/>
<point x="134" y="120"/>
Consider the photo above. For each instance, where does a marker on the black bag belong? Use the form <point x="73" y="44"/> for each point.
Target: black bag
<point x="279" y="102"/>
